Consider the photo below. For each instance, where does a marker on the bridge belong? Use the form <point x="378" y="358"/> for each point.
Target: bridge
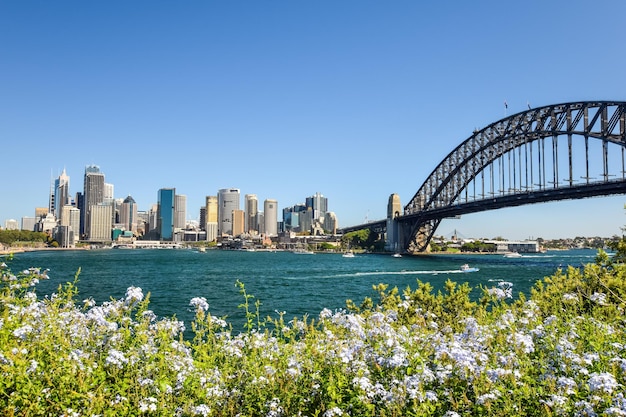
<point x="551" y="153"/>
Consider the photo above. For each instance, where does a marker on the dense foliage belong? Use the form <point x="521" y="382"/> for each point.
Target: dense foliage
<point x="9" y="237"/>
<point x="561" y="351"/>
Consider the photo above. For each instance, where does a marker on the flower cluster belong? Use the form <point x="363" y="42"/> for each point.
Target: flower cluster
<point x="419" y="354"/>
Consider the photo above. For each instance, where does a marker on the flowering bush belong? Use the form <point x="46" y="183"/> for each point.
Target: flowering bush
<point x="562" y="351"/>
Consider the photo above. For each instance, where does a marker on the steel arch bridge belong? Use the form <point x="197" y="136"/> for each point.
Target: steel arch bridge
<point x="543" y="154"/>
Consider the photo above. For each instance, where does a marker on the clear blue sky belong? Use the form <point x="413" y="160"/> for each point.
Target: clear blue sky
<point x="354" y="99"/>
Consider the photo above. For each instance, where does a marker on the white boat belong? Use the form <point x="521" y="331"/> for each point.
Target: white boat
<point x="348" y="254"/>
<point x="467" y="268"/>
<point x="396" y="255"/>
<point x="303" y="252"/>
<point x="512" y="255"/>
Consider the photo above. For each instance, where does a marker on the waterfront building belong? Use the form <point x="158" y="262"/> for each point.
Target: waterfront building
<point x="41" y="212"/>
<point x="61" y="194"/>
<point x="180" y="211"/>
<point x="261" y="222"/>
<point x="238" y="222"/>
<point x="100" y="222"/>
<point x="318" y="204"/>
<point x="330" y="223"/>
<point x="165" y="214"/>
<point x="228" y="201"/>
<point x="28" y="223"/>
<point x="270" y="213"/>
<point x="252" y="211"/>
<point x="93" y="191"/>
<point x="211" y="218"/>
<point x="11" y="224"/>
<point x="46" y="224"/>
<point x="128" y="214"/>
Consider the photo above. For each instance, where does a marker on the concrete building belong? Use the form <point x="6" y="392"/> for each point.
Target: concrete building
<point x="11" y="224"/>
<point x="318" y="204"/>
<point x="238" y="222"/>
<point x="252" y="211"/>
<point x="180" y="211"/>
<point x="93" y="195"/>
<point x="28" y="223"/>
<point x="228" y="201"/>
<point x="100" y="226"/>
<point x="270" y="213"/>
<point x="61" y="194"/>
<point x="211" y="216"/>
<point x="128" y="214"/>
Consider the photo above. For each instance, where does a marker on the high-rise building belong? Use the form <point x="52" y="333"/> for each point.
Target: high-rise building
<point x="252" y="210"/>
<point x="270" y="211"/>
<point x="211" y="216"/>
<point x="61" y="194"/>
<point x="128" y="214"/>
<point x="319" y="204"/>
<point x="228" y="201"/>
<point x="70" y="225"/>
<point x="180" y="211"/>
<point x="11" y="224"/>
<point x="100" y="222"/>
<point x="93" y="192"/>
<point x="165" y="214"/>
<point x="238" y="222"/>
<point x="28" y="223"/>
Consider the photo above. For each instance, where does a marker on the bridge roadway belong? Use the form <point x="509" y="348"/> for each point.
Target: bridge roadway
<point x="501" y="201"/>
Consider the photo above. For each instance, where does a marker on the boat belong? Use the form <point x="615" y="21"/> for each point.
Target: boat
<point x="201" y="249"/>
<point x="303" y="252"/>
<point x="348" y="254"/>
<point x="467" y="268"/>
<point x="512" y="255"/>
<point x="396" y="255"/>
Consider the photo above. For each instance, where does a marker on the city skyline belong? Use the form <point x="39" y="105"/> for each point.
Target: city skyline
<point x="357" y="99"/>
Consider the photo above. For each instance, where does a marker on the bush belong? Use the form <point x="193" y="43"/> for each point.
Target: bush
<point x="559" y="352"/>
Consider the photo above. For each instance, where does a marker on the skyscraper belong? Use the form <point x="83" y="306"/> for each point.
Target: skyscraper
<point x="165" y="214"/>
<point x="180" y="211"/>
<point x="238" y="222"/>
<point x="270" y="211"/>
<point x="211" y="217"/>
<point x="252" y="210"/>
<point x="128" y="214"/>
<point x="319" y="204"/>
<point x="93" y="191"/>
<point x="228" y="201"/>
<point x="61" y="194"/>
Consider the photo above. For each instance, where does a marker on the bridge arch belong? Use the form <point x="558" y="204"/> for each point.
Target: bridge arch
<point x="517" y="144"/>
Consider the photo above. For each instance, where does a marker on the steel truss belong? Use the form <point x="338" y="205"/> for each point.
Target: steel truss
<point x="515" y="160"/>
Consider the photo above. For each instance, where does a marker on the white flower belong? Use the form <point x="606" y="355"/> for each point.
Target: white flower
<point x="133" y="295"/>
<point x="598" y="298"/>
<point x="602" y="382"/>
<point x="335" y="411"/>
<point x="116" y="358"/>
<point x="199" y="303"/>
<point x="201" y="410"/>
<point x="147" y="404"/>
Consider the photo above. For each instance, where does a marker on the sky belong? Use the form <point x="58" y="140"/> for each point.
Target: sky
<point x="283" y="99"/>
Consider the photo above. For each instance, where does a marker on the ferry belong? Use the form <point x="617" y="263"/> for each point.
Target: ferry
<point x="467" y="268"/>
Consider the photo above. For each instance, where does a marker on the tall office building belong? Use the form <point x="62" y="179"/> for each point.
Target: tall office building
<point x="70" y="222"/>
<point x="100" y="222"/>
<point x="211" y="215"/>
<point x="165" y="214"/>
<point x="238" y="222"/>
<point x="93" y="194"/>
<point x="228" y="201"/>
<point x="319" y="204"/>
<point x="128" y="214"/>
<point x="252" y="210"/>
<point x="180" y="211"/>
<point x="270" y="211"/>
<point x="61" y="194"/>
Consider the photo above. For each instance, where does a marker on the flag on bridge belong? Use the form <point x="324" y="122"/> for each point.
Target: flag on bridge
<point x="506" y="106"/>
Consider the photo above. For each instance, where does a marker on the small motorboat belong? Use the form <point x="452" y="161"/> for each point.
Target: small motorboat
<point x="467" y="268"/>
<point x="396" y="255"/>
<point x="348" y="254"/>
<point x="512" y="255"/>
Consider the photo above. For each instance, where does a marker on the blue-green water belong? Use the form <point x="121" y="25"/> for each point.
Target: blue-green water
<point x="297" y="284"/>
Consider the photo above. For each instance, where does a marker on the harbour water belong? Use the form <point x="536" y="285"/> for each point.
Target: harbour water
<point x="297" y="284"/>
